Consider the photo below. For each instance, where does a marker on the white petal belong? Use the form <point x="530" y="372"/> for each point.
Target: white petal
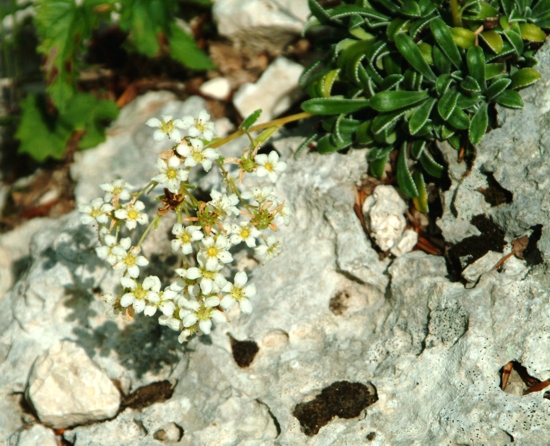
<point x="159" y="135"/>
<point x="250" y="290"/>
<point x="193" y="273"/>
<point x="206" y="286"/>
<point x="149" y="310"/>
<point x="225" y="257"/>
<point x="212" y="302"/>
<point x="240" y="279"/>
<point x="260" y="159"/>
<point x="153" y="122"/>
<point x="205" y="326"/>
<point x="245" y="306"/>
<point x="189" y="320"/>
<point x="126" y="282"/>
<point x="133" y="271"/>
<point x="227" y="302"/>
<point x="139" y="305"/>
<point x="217" y="316"/>
<point x="127" y="300"/>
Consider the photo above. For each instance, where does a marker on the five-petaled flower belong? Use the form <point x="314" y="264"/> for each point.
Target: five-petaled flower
<point x="199" y="127"/>
<point x="132" y="214"/>
<point x="170" y="173"/>
<point x="167" y="127"/>
<point x="97" y="210"/>
<point x="195" y="153"/>
<point x="238" y="292"/>
<point x="185" y="236"/>
<point x="269" y="165"/>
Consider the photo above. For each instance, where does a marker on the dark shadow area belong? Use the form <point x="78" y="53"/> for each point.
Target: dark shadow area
<point x="244" y="352"/>
<point x="495" y="194"/>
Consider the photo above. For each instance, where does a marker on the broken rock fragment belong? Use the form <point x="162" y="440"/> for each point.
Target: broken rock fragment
<point x="66" y="388"/>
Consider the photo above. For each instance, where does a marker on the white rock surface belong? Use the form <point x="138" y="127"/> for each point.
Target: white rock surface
<point x="37" y="435"/>
<point x="274" y="93"/>
<point x="383" y="211"/>
<point x="261" y="24"/>
<point x="481" y="266"/>
<point x="66" y="388"/>
<point x="218" y="88"/>
<point x="406" y="243"/>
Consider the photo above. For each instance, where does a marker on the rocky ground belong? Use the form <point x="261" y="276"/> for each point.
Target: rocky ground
<point x="344" y="346"/>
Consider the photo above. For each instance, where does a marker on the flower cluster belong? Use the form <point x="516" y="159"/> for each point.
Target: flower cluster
<point x="204" y="235"/>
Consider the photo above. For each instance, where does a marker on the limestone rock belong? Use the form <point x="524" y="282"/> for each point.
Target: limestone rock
<point x="37" y="435"/>
<point x="274" y="93"/>
<point x="66" y="388"/>
<point x="261" y="24"/>
<point x="218" y="88"/>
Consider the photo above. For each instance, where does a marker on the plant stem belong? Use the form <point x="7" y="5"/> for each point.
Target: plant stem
<point x="275" y="123"/>
<point x="457" y="19"/>
<point x="153" y="223"/>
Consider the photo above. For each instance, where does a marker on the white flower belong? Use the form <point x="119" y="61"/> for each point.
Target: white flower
<point x="199" y="127"/>
<point x="259" y="194"/>
<point x="283" y="214"/>
<point x="171" y="322"/>
<point x="132" y="214"/>
<point x="184" y="335"/>
<point x="195" y="153"/>
<point x="116" y="188"/>
<point x="204" y="315"/>
<point x="224" y="203"/>
<point x="243" y="232"/>
<point x="216" y="251"/>
<point x="167" y="127"/>
<point x="109" y="298"/>
<point x="184" y="237"/>
<point x="163" y="300"/>
<point x="170" y="173"/>
<point x="106" y="252"/>
<point x="97" y="210"/>
<point x="210" y="281"/>
<point x="237" y="292"/>
<point x="139" y="293"/>
<point x="129" y="261"/>
<point x="268" y="251"/>
<point x="269" y="165"/>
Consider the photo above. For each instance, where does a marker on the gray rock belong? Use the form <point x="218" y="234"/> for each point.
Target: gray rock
<point x="66" y="388"/>
<point x="261" y="24"/>
<point x="37" y="435"/>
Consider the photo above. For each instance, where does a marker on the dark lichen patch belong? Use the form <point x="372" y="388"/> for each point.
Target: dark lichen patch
<point x="145" y="396"/>
<point x="341" y="399"/>
<point x="474" y="247"/>
<point x="371" y="436"/>
<point x="338" y="304"/>
<point x="244" y="352"/>
<point x="495" y="194"/>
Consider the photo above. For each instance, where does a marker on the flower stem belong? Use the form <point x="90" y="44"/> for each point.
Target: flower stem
<point x="457" y="19"/>
<point x="153" y="223"/>
<point x="275" y="123"/>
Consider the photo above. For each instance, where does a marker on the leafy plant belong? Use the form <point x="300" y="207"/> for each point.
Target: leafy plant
<point x="64" y="27"/>
<point x="401" y="74"/>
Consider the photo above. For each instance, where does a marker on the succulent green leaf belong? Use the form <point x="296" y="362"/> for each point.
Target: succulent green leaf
<point x="443" y="83"/>
<point x="391" y="81"/>
<point x="470" y="85"/>
<point x="307" y="74"/>
<point x="184" y="49"/>
<point x="420" y="116"/>
<point x="475" y="60"/>
<point x="459" y="119"/>
<point x="493" y="41"/>
<point x="532" y="33"/>
<point x="377" y="153"/>
<point x="328" y="144"/>
<point x="524" y="77"/>
<point x="478" y="125"/>
<point x="467" y="101"/>
<point x="386" y="101"/>
<point x="430" y="165"/>
<point x="420" y="202"/>
<point x="384" y="120"/>
<point x="318" y="11"/>
<point x="494" y="69"/>
<point x="404" y="178"/>
<point x="447" y="131"/>
<point x="541" y="8"/>
<point x="444" y="39"/>
<point x="348" y="10"/>
<point x="497" y="87"/>
<point x="417" y="147"/>
<point x="418" y="25"/>
<point x="364" y="134"/>
<point x="250" y="120"/>
<point x="327" y="81"/>
<point x="464" y="38"/>
<point x="377" y="167"/>
<point x="410" y="51"/>
<point x="351" y="57"/>
<point x="507" y="6"/>
<point x="397" y="25"/>
<point x="510" y="99"/>
<point x="305" y="143"/>
<point x="411" y="8"/>
<point x="333" y="106"/>
<point x="426" y="50"/>
<point x="515" y="40"/>
<point x="486" y="12"/>
<point x="427" y="7"/>
<point x="447" y="103"/>
<point x="441" y="62"/>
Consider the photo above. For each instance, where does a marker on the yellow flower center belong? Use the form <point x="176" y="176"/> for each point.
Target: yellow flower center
<point x="207" y="274"/>
<point x="133" y="214"/>
<point x="200" y="126"/>
<point x="236" y="294"/>
<point x="269" y="167"/>
<point x="140" y="293"/>
<point x="96" y="213"/>
<point x="212" y="252"/>
<point x="171" y="173"/>
<point x="167" y="127"/>
<point x="203" y="314"/>
<point x="197" y="156"/>
<point x="130" y="260"/>
<point x="185" y="238"/>
<point x="245" y="233"/>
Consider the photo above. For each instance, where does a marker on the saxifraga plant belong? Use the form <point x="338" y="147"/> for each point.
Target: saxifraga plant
<point x="402" y="74"/>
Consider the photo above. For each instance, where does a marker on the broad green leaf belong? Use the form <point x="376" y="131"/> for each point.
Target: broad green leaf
<point x="507" y="6"/>
<point x="441" y="62"/>
<point x="524" y="77"/>
<point x="426" y="50"/>
<point x="541" y="8"/>
<point x="510" y="99"/>
<point x="478" y="125"/>
<point x="427" y="7"/>
<point x="184" y="49"/>
<point x="388" y="136"/>
<point x="494" y="69"/>
<point x="497" y="87"/>
<point x="447" y="103"/>
<point x="404" y="178"/>
<point x="41" y="135"/>
<point x="377" y="153"/>
<point x="515" y="40"/>
<point x="364" y="135"/>
<point x="351" y="57"/>
<point x="318" y="11"/>
<point x="391" y="81"/>
<point x="493" y="41"/>
<point x="430" y="165"/>
<point x="464" y="38"/>
<point x="327" y="81"/>
<point x="418" y="25"/>
<point x="396" y="26"/>
<point x="411" y="8"/>
<point x="333" y="106"/>
<point x="447" y="131"/>
<point x="444" y="39"/>
<point x="443" y="83"/>
<point x="349" y="10"/>
<point x="420" y="116"/>
<point x="476" y="65"/>
<point x="417" y="147"/>
<point x="327" y="145"/>
<point x="392" y="100"/>
<point x="250" y="120"/>
<point x="377" y="167"/>
<point x="470" y="85"/>
<point x="459" y="119"/>
<point x="410" y="51"/>
<point x="361" y="34"/>
<point x="532" y="33"/>
<point x="420" y="202"/>
<point x="384" y="120"/>
<point x="486" y="12"/>
<point x="467" y="101"/>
